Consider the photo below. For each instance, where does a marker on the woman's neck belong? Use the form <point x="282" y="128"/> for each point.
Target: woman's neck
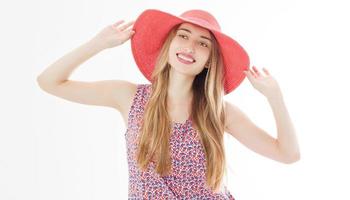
<point x="180" y="88"/>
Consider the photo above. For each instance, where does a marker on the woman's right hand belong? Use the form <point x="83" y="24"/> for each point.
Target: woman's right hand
<point x="114" y="35"/>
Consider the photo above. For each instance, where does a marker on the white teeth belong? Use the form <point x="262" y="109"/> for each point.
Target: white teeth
<point x="185" y="58"/>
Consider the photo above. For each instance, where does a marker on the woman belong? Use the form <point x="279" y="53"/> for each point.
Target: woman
<point x="176" y="124"/>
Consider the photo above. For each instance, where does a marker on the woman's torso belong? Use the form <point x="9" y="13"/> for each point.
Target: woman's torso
<point x="187" y="179"/>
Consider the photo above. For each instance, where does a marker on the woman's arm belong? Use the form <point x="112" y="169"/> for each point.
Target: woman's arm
<point x="242" y="128"/>
<point x="59" y="72"/>
<point x="286" y="137"/>
<point x="285" y="148"/>
<point x="112" y="93"/>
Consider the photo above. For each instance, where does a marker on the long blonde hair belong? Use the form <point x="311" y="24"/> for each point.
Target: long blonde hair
<point x="208" y="114"/>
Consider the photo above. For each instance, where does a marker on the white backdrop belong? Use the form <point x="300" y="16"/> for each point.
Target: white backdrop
<point x="54" y="149"/>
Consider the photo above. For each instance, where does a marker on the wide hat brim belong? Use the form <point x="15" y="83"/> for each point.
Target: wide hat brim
<point x="151" y="29"/>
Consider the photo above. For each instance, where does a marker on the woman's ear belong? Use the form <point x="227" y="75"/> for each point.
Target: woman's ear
<point x="206" y="64"/>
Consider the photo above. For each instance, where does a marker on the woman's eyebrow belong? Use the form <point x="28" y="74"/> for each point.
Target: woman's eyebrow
<point x="184" y="29"/>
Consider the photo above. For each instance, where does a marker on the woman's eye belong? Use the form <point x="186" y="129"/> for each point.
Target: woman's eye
<point x="203" y="44"/>
<point x="183" y="36"/>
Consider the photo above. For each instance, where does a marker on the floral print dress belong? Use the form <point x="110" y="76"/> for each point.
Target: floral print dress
<point x="187" y="180"/>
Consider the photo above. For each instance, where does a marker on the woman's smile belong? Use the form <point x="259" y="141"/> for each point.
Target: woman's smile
<point x="185" y="58"/>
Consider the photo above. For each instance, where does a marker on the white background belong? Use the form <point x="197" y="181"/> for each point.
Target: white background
<point x="51" y="148"/>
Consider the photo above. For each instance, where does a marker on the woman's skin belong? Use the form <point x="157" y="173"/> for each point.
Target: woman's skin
<point x="193" y="40"/>
<point x="189" y="39"/>
<point x="117" y="94"/>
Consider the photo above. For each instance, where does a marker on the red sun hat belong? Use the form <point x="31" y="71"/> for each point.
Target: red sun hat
<point x="152" y="27"/>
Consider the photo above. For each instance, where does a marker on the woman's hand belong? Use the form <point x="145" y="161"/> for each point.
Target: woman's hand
<point x="265" y="84"/>
<point x="114" y="35"/>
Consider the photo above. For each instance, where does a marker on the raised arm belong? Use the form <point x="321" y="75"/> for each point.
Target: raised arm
<point x="285" y="147"/>
<point x="112" y="93"/>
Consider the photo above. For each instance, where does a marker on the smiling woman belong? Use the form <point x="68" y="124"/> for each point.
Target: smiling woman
<point x="190" y="70"/>
<point x="189" y="51"/>
<point x="176" y="124"/>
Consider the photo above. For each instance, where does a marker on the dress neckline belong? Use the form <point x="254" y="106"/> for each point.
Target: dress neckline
<point x="182" y="123"/>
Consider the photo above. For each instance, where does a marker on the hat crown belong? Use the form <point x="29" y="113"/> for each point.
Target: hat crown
<point x="203" y="17"/>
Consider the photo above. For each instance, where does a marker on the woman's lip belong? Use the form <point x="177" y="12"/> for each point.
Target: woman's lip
<point x="186" y="55"/>
<point x="184" y="61"/>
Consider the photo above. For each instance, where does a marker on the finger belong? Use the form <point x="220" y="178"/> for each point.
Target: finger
<point x="131" y="32"/>
<point x="266" y="71"/>
<point x="126" y="25"/>
<point x="118" y="23"/>
<point x="248" y="74"/>
<point x="253" y="73"/>
<point x="256" y="71"/>
<point x="127" y="34"/>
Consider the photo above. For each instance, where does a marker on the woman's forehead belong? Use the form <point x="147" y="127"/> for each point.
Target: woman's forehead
<point x="194" y="28"/>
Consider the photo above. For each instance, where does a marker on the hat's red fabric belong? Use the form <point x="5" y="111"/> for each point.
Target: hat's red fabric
<point x="152" y="27"/>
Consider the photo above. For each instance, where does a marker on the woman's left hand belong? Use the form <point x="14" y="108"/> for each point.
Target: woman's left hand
<point x="265" y="84"/>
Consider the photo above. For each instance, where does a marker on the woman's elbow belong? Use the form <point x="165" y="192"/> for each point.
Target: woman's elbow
<point x="291" y="159"/>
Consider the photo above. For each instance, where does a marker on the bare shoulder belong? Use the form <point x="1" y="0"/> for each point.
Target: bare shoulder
<point x="123" y="93"/>
<point x="233" y="113"/>
<point x="235" y="119"/>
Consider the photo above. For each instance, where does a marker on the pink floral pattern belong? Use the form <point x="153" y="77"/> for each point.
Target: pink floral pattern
<point x="187" y="180"/>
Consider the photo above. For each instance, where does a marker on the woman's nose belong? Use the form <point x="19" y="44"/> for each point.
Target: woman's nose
<point x="189" y="50"/>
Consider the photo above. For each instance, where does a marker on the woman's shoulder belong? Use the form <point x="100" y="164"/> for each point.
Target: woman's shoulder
<point x="133" y="93"/>
<point x="143" y="85"/>
<point x="139" y="91"/>
<point x="133" y="87"/>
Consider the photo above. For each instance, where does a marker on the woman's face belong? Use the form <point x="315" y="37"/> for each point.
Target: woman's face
<point x="190" y="49"/>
